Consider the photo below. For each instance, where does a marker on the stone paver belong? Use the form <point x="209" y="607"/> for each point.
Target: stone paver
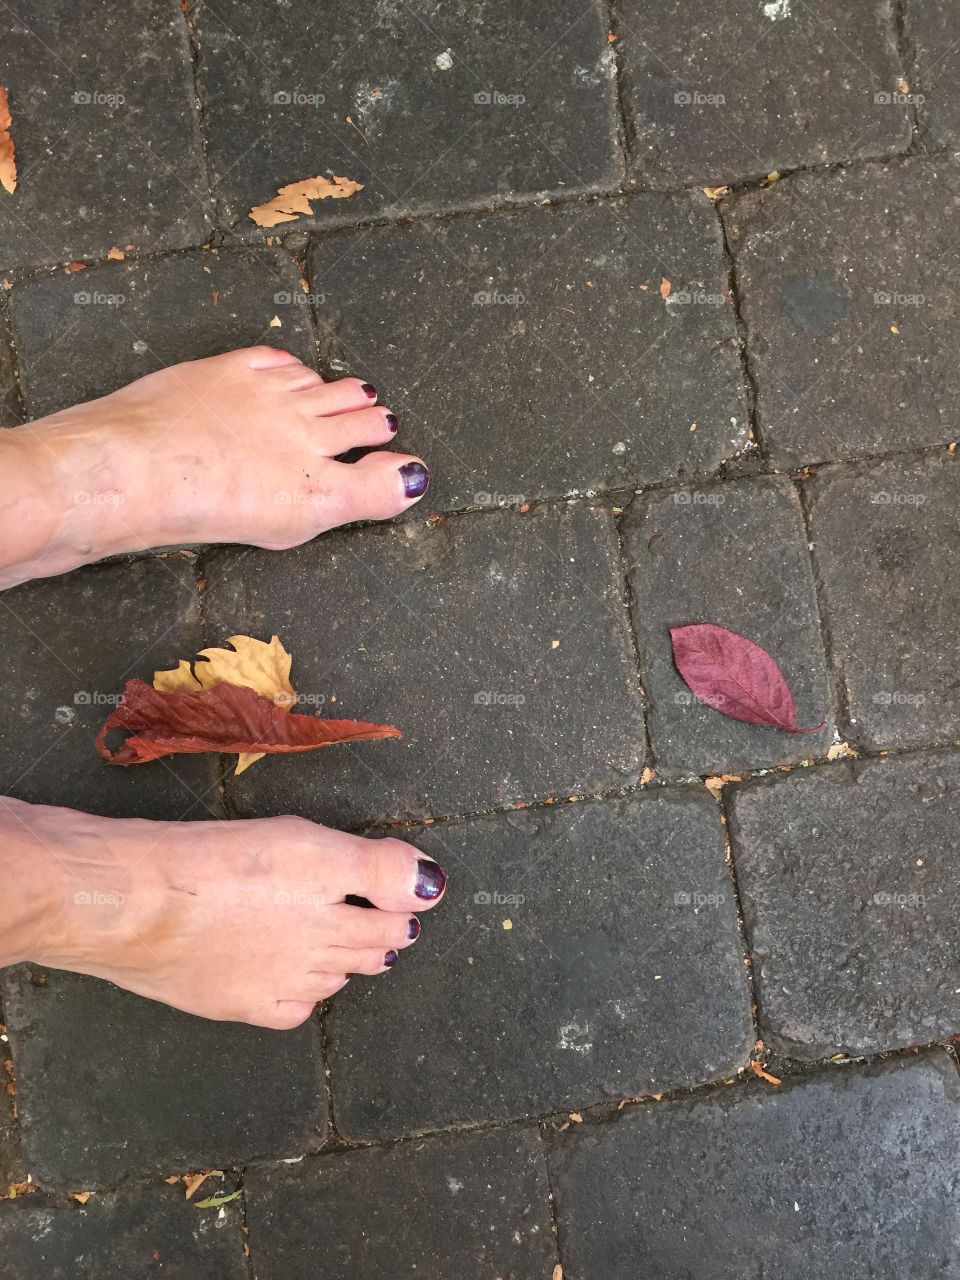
<point x="848" y="291"/>
<point x="476" y="1205"/>
<point x="106" y="131"/>
<point x="848" y="879"/>
<point x="934" y="27"/>
<point x="887" y="543"/>
<point x="559" y="968"/>
<point x="12" y="1168"/>
<point x="851" y="1171"/>
<point x="70" y="643"/>
<point x="442" y="105"/>
<point x="498" y="643"/>
<point x="130" y="1235"/>
<point x="726" y="91"/>
<point x="84" y="335"/>
<point x="111" y="1086"/>
<point x="734" y="554"/>
<point x="560" y="366"/>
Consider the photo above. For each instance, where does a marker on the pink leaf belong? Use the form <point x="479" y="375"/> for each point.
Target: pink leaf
<point x="733" y="675"/>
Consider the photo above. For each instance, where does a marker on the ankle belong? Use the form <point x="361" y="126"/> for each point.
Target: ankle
<point x="31" y="890"/>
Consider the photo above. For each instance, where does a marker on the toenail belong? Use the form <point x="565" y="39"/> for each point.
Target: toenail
<point x="416" y="477"/>
<point x="369" y="390"/>
<point x="430" y="879"/>
<point x="390" y="959"/>
<point x="391" y="421"/>
<point x="413" y="929"/>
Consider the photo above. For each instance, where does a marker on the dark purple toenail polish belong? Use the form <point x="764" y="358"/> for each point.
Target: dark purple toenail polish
<point x="430" y="879"/>
<point x="416" y="477"/>
<point x="369" y="390"/>
<point x="391" y="421"/>
<point x="390" y="959"/>
<point x="413" y="929"/>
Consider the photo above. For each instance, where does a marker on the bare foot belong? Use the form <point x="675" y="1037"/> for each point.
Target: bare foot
<point x="244" y="921"/>
<point x="240" y="447"/>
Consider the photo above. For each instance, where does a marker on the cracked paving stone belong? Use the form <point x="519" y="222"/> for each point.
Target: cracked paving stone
<point x="734" y="554"/>
<point x="125" y="319"/>
<point x="887" y="544"/>
<point x="586" y="952"/>
<point x="848" y="289"/>
<point x="733" y="89"/>
<point x="849" y="891"/>
<point x="9" y="388"/>
<point x="442" y="105"/>
<point x="111" y="1086"/>
<point x="849" y="1171"/>
<point x="106" y="131"/>
<point x="497" y="642"/>
<point x="561" y="367"/>
<point x="470" y="1205"/>
<point x="123" y="1235"/>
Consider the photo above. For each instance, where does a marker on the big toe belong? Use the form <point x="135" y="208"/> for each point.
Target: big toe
<point x="380" y="485"/>
<point x="395" y="876"/>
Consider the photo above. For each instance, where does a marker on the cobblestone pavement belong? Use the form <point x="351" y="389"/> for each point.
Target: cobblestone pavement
<point x="563" y="1078"/>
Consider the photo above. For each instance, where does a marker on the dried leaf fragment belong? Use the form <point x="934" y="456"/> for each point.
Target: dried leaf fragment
<point x="8" y="160"/>
<point x="758" y="1070"/>
<point x="115" y="254"/>
<point x="715" y="193"/>
<point x="293" y="200"/>
<point x="665" y="287"/>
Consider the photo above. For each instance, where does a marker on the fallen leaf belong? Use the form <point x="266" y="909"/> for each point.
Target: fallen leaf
<point x="771" y="178"/>
<point x="250" y="664"/>
<point x="733" y="675"/>
<point x="557" y="1272"/>
<point x="276" y="323"/>
<point x="648" y="775"/>
<point x="665" y="287"/>
<point x="902" y="86"/>
<point x="576" y="1117"/>
<point x="842" y="751"/>
<point x="71" y="267"/>
<point x="764" y="1075"/>
<point x="717" y="782"/>
<point x="952" y="448"/>
<point x="193" y="1181"/>
<point x="214" y="1202"/>
<point x="81" y="1196"/>
<point x="508" y="925"/>
<point x="293" y="200"/>
<point x="226" y="718"/>
<point x="715" y="193"/>
<point x="8" y="160"/>
<point x="115" y="254"/>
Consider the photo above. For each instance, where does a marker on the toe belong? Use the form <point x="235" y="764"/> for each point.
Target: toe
<point x="390" y="873"/>
<point x="264" y="357"/>
<point x="379" y="486"/>
<point x="362" y="959"/>
<point x="344" y="396"/>
<point x="383" y="930"/>
<point x="288" y="1014"/>
<point x="346" y="431"/>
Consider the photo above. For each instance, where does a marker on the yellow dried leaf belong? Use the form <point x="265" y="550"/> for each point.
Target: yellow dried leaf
<point x="842" y="751"/>
<point x="8" y="161"/>
<point x="81" y="1196"/>
<point x="764" y="1075"/>
<point x="115" y="254"/>
<point x="191" y="1181"/>
<point x="293" y="200"/>
<point x="715" y="193"/>
<point x="557" y="1272"/>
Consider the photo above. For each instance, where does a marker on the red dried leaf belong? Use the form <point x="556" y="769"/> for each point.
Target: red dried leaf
<point x="735" y="676"/>
<point x="227" y="718"/>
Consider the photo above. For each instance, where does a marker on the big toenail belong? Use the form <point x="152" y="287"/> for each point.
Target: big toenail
<point x="391" y="421"/>
<point x="413" y="929"/>
<point x="390" y="959"/>
<point x="416" y="477"/>
<point x="369" y="390"/>
<point x="430" y="879"/>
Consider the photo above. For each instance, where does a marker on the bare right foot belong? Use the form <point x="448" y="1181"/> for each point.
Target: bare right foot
<point x="244" y="921"/>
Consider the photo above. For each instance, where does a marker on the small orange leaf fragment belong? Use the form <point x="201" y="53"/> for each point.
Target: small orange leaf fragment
<point x="293" y="200"/>
<point x="115" y="254"/>
<point x="8" y="160"/>
<point x="665" y="287"/>
<point x="758" y="1070"/>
